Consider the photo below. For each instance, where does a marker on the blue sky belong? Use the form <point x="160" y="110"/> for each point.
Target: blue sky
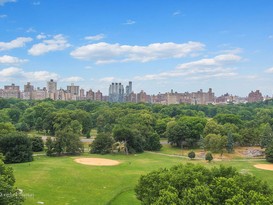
<point x="184" y="45"/>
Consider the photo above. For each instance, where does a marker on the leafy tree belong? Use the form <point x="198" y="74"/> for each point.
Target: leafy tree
<point x="16" y="148"/>
<point x="161" y="126"/>
<point x="102" y="144"/>
<point x="130" y="137"/>
<point x="9" y="193"/>
<point x="14" y="114"/>
<point x="177" y="133"/>
<point x="215" y="143"/>
<point x="250" y="136"/>
<point x="228" y="118"/>
<point x="269" y="153"/>
<point x="230" y="143"/>
<point x="191" y="154"/>
<point x="37" y="144"/>
<point x="67" y="142"/>
<point x="39" y="124"/>
<point x="196" y="127"/>
<point x="22" y="126"/>
<point x="212" y="127"/>
<point x="50" y="146"/>
<point x="266" y="135"/>
<point x="152" y="142"/>
<point x="193" y="184"/>
<point x="6" y="128"/>
<point x="209" y="156"/>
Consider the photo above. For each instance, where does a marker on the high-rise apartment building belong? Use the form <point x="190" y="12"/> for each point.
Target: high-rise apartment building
<point x="255" y="96"/>
<point x="73" y="89"/>
<point x="116" y="92"/>
<point x="51" y="89"/>
<point x="10" y="91"/>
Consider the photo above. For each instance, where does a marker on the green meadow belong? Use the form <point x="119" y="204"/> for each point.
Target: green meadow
<point x="60" y="180"/>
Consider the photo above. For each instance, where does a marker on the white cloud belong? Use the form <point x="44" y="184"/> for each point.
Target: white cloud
<point x="17" y="43"/>
<point x="57" y="43"/>
<point x="3" y="16"/>
<point x="41" y="36"/>
<point x="216" y="61"/>
<point x="129" y="22"/>
<point x="18" y="74"/>
<point x="8" y="72"/>
<point x="95" y="38"/>
<point x="201" y="69"/>
<point x="109" y="53"/>
<point x="2" y="2"/>
<point x="269" y="70"/>
<point x="72" y="79"/>
<point x="39" y="75"/>
<point x="11" y="60"/>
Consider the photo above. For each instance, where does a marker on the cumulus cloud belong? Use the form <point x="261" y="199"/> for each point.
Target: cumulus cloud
<point x="269" y="70"/>
<point x="109" y="53"/>
<point x="95" y="38"/>
<point x="11" y="60"/>
<point x="216" y="67"/>
<point x="211" y="62"/>
<point x="8" y="72"/>
<point x="39" y="75"/>
<point x="57" y="43"/>
<point x="129" y="22"/>
<point x="18" y="74"/>
<point x="2" y="2"/>
<point x="72" y="79"/>
<point x="16" y="43"/>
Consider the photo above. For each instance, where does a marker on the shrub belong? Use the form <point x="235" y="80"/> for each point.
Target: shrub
<point x="16" y="148"/>
<point x="37" y="144"/>
<point x="191" y="154"/>
<point x="209" y="156"/>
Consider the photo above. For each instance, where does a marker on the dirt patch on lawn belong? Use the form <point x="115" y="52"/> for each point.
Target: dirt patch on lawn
<point x="97" y="161"/>
<point x="264" y="166"/>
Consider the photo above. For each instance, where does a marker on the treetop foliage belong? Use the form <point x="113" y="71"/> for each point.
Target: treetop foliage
<point x="197" y="185"/>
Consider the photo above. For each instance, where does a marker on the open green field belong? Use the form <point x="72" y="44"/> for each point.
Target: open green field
<point x="60" y="180"/>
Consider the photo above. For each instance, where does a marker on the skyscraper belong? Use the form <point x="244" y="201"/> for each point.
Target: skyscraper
<point x="116" y="92"/>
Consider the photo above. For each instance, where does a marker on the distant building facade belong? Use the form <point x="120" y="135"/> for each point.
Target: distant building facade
<point x="255" y="96"/>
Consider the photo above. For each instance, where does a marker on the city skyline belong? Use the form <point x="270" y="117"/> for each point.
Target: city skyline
<point x="182" y="45"/>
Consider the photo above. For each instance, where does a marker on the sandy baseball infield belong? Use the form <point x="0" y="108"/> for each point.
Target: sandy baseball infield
<point x="97" y="161"/>
<point x="264" y="166"/>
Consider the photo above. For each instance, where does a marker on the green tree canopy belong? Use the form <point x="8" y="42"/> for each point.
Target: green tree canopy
<point x="8" y="193"/>
<point x="193" y="184"/>
<point x="16" y="147"/>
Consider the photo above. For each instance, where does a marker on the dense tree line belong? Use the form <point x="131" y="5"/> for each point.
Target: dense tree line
<point x="139" y="126"/>
<point x="192" y="184"/>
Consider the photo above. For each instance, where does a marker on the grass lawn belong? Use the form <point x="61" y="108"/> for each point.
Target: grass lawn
<point x="59" y="180"/>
